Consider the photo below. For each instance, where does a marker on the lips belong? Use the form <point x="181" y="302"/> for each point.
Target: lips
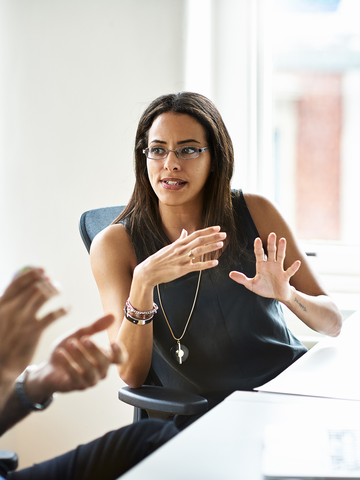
<point x="172" y="183"/>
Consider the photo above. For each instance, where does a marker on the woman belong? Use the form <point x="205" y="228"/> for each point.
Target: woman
<point x="181" y="235"/>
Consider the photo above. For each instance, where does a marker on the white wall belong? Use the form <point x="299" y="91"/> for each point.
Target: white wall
<point x="74" y="77"/>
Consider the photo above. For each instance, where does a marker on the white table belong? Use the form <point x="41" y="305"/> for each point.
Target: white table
<point x="226" y="443"/>
<point x="330" y="369"/>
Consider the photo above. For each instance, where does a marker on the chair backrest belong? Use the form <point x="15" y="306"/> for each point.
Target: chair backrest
<point x="93" y="221"/>
<point x="90" y="224"/>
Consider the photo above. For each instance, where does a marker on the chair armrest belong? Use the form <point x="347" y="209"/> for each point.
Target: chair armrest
<point x="8" y="461"/>
<point x="160" y="399"/>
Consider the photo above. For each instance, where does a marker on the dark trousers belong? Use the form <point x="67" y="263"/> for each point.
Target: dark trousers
<point x="107" y="457"/>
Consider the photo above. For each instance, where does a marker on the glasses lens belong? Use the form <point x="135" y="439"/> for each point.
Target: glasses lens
<point x="156" y="153"/>
<point x="188" y="152"/>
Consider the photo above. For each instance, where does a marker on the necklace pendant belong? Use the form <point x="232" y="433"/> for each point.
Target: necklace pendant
<point x="179" y="353"/>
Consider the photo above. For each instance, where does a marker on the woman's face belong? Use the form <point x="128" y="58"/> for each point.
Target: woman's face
<point x="178" y="181"/>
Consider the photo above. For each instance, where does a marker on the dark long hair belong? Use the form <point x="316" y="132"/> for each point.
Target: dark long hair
<point x="141" y="216"/>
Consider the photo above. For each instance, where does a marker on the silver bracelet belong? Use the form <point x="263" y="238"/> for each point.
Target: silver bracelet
<point x="138" y="314"/>
<point x="24" y="399"/>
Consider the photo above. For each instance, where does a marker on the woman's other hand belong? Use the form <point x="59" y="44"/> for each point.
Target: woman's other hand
<point x="271" y="280"/>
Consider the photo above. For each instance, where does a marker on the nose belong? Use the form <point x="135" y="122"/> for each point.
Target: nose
<point x="172" y="162"/>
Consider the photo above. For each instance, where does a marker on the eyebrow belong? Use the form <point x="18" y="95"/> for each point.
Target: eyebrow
<point x="182" y="142"/>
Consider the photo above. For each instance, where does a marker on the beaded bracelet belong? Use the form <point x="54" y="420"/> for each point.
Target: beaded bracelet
<point x="137" y="317"/>
<point x="138" y="314"/>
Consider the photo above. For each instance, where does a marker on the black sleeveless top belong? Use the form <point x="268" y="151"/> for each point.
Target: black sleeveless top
<point x="237" y="340"/>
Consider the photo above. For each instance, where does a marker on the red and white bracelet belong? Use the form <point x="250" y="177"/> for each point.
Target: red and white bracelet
<point x="138" y="317"/>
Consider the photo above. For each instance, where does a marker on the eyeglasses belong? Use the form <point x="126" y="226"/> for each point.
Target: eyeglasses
<point x="185" y="152"/>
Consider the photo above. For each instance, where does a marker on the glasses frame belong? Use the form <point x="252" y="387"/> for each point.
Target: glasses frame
<point x="176" y="151"/>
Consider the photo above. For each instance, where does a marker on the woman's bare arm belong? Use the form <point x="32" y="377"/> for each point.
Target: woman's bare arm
<point x="285" y="274"/>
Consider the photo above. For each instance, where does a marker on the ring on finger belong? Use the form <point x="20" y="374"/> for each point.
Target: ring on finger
<point x="191" y="255"/>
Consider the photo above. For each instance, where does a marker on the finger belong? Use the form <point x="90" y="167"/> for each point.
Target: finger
<point x="45" y="289"/>
<point x="48" y="288"/>
<point x="293" y="268"/>
<point x="202" y="234"/>
<point x="97" y="326"/>
<point x="24" y="281"/>
<point x="34" y="302"/>
<point x="80" y="354"/>
<point x="240" y="278"/>
<point x="99" y="358"/>
<point x="281" y="252"/>
<point x="271" y="247"/>
<point x="206" y="240"/>
<point x="22" y="303"/>
<point x="184" y="233"/>
<point x="52" y="316"/>
<point x="200" y="251"/>
<point x="259" y="250"/>
<point x="206" y="231"/>
<point x="61" y="365"/>
<point x="200" y="266"/>
<point x="73" y="372"/>
<point x="191" y="242"/>
<point x="39" y="298"/>
<point x="83" y="362"/>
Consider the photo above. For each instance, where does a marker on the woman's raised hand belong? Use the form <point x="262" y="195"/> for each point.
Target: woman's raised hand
<point x="182" y="256"/>
<point x="271" y="280"/>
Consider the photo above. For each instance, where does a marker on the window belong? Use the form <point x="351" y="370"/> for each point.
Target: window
<point x="316" y="61"/>
<point x="316" y="114"/>
<point x="285" y="75"/>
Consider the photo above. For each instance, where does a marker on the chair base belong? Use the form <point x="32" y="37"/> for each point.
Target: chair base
<point x="8" y="462"/>
<point x="163" y="402"/>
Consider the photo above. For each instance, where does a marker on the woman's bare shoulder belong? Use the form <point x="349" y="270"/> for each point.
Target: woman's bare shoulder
<point x="257" y="202"/>
<point x="112" y="236"/>
<point x="113" y="243"/>
<point x="263" y="212"/>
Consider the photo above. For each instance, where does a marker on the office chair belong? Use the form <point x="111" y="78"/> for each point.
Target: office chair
<point x="152" y="399"/>
<point x="8" y="463"/>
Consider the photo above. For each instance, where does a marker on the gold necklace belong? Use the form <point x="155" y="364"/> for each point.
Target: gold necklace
<point x="180" y="352"/>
